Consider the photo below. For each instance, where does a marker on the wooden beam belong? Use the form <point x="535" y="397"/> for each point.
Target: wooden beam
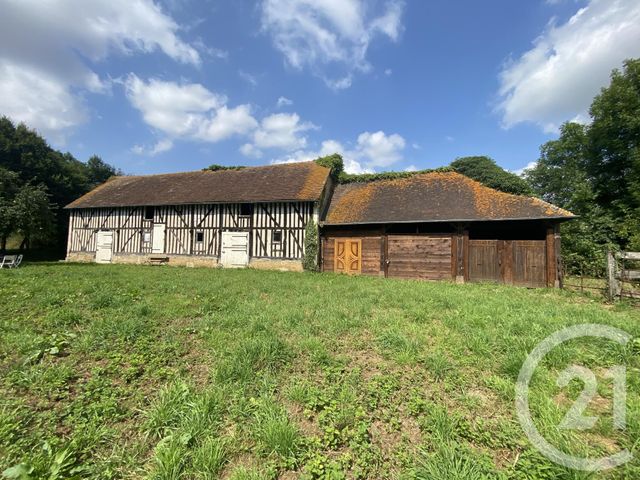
<point x="630" y="275"/>
<point x="628" y="255"/>
<point x="614" y="290"/>
<point x="557" y="242"/>
<point x="551" y="258"/>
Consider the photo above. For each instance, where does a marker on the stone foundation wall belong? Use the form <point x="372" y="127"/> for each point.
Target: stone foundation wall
<point x="143" y="259"/>
<point x="276" y="264"/>
<point x="81" y="257"/>
<point x="187" y="261"/>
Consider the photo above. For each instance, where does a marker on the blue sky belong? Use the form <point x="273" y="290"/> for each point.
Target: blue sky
<point x="392" y="85"/>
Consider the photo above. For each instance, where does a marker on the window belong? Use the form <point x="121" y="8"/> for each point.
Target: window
<point x="246" y="209"/>
<point x="147" y="237"/>
<point x="277" y="236"/>
<point x="148" y="213"/>
<point x="199" y="237"/>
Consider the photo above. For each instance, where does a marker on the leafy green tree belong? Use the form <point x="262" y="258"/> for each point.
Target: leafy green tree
<point x="98" y="171"/>
<point x="486" y="171"/>
<point x="34" y="218"/>
<point x="560" y="175"/>
<point x="8" y="189"/>
<point x="614" y="161"/>
<point x="333" y="162"/>
<point x="25" y="153"/>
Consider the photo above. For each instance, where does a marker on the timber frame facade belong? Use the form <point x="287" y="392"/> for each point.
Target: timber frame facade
<point x="253" y="216"/>
<point x="276" y="230"/>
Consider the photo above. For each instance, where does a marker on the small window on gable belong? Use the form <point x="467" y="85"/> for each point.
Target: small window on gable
<point x="148" y="213"/>
<point x="277" y="236"/>
<point x="246" y="209"/>
<point x="199" y="237"/>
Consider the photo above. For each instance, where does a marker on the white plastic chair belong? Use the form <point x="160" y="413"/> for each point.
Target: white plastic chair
<point x="11" y="261"/>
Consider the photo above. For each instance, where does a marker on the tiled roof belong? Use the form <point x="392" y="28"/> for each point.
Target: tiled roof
<point x="302" y="181"/>
<point x="432" y="197"/>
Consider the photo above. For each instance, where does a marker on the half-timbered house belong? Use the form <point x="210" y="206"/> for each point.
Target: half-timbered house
<point x="439" y="226"/>
<point x="251" y="216"/>
<point x="434" y="226"/>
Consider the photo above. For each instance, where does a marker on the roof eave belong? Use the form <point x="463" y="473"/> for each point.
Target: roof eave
<point x="77" y="207"/>
<point x="448" y="220"/>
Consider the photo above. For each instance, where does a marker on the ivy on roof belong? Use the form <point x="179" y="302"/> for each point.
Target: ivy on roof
<point x="215" y="167"/>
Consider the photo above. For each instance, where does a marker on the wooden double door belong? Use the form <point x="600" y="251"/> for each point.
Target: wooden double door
<point x="516" y="262"/>
<point x="348" y="256"/>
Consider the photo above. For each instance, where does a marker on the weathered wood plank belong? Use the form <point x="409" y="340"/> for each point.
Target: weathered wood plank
<point x="628" y="255"/>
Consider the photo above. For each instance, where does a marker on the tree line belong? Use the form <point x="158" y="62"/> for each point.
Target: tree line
<point x="36" y="182"/>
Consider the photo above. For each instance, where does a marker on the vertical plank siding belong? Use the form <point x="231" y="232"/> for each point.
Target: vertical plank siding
<point x="184" y="224"/>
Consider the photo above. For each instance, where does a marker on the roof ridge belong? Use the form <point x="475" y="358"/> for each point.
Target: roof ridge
<point x="230" y="169"/>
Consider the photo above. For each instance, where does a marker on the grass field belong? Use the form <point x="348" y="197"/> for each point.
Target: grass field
<point x="166" y="373"/>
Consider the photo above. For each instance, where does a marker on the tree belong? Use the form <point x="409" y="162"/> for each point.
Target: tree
<point x="34" y="218"/>
<point x="560" y="175"/>
<point x="98" y="171"/>
<point x="486" y="171"/>
<point x="334" y="162"/>
<point x="33" y="162"/>
<point x="614" y="142"/>
<point x="8" y="189"/>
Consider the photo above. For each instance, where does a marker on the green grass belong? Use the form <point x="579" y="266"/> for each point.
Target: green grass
<point x="174" y="373"/>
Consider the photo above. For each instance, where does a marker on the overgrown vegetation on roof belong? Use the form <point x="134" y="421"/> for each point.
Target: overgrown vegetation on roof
<point x="486" y="171"/>
<point x="214" y="167"/>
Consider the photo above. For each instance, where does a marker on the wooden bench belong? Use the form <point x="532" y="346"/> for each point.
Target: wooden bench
<point x="158" y="260"/>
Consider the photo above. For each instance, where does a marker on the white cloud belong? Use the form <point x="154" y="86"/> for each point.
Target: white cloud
<point x="388" y="72"/>
<point x="411" y="168"/>
<point x="284" y="131"/>
<point x="283" y="102"/>
<point x="161" y="146"/>
<point x="327" y="35"/>
<point x="39" y="100"/>
<point x="187" y="110"/>
<point x="557" y="79"/>
<point x="379" y="149"/>
<point x="47" y="47"/>
<point x="249" y="150"/>
<point x="371" y="150"/>
<point x="528" y="166"/>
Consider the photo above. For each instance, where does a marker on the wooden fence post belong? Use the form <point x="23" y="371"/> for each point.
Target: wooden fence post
<point x="611" y="276"/>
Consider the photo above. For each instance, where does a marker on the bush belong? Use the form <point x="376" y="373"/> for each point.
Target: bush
<point x="310" y="260"/>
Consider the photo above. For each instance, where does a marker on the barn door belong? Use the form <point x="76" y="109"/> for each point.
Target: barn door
<point x="235" y="249"/>
<point x="484" y="261"/>
<point x="104" y="247"/>
<point x="529" y="263"/>
<point x="517" y="262"/>
<point x="348" y="256"/>
<point x="157" y="242"/>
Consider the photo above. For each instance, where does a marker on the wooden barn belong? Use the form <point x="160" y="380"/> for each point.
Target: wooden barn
<point x="250" y="216"/>
<point x="441" y="226"/>
<point x="434" y="226"/>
